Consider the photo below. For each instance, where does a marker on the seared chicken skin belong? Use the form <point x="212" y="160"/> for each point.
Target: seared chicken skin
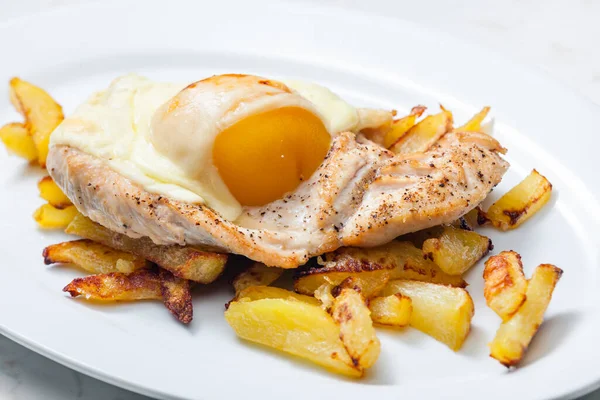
<point x="361" y="195"/>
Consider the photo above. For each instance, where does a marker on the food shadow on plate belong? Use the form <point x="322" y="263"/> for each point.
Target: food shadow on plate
<point x="551" y="334"/>
<point x="476" y="344"/>
<point x="28" y="170"/>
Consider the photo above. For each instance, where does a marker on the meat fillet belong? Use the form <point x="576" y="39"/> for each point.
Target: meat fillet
<point x="361" y="195"/>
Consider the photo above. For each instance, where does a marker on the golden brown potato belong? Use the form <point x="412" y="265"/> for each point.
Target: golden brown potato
<point x="392" y="310"/>
<point x="257" y="275"/>
<point x="474" y="124"/>
<point x="456" y="250"/>
<point x="371" y="278"/>
<point x="50" y="192"/>
<point x="294" y="327"/>
<point x="515" y="334"/>
<point x="404" y="260"/>
<point x="324" y="295"/>
<point x="351" y="313"/>
<point x="442" y="312"/>
<point x="42" y="114"/>
<point x="93" y="257"/>
<point x="183" y="261"/>
<point x="143" y="284"/>
<point x="424" y="134"/>
<point x="177" y="296"/>
<point x="505" y="286"/>
<point x="269" y="292"/>
<point x="402" y="125"/>
<point x="50" y="217"/>
<point x="521" y="202"/>
<point x="18" y="141"/>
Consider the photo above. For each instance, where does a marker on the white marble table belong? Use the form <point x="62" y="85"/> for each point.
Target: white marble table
<point x="559" y="36"/>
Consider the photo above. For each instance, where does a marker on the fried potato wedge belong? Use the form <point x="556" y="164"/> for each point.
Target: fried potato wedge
<point x="295" y="327"/>
<point x="515" y="334"/>
<point x="18" y="141"/>
<point x="50" y="192"/>
<point x="442" y="312"/>
<point x="351" y="313"/>
<point x="404" y="260"/>
<point x="258" y="274"/>
<point x="402" y="125"/>
<point x="252" y="293"/>
<point x="505" y="286"/>
<point x="93" y="257"/>
<point x="50" y="217"/>
<point x="177" y="296"/>
<point x="456" y="250"/>
<point x="474" y="124"/>
<point x="116" y="286"/>
<point x="42" y="114"/>
<point x="521" y="202"/>
<point x="183" y="261"/>
<point x="424" y="134"/>
<point x="370" y="277"/>
<point x="393" y="310"/>
<point x="324" y="295"/>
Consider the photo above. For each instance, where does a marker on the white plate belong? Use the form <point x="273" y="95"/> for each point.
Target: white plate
<point x="371" y="61"/>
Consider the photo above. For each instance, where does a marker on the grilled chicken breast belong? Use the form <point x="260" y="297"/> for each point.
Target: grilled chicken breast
<point x="361" y="195"/>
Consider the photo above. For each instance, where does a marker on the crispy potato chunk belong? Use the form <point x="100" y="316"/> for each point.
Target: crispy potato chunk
<point x="456" y="250"/>
<point x="351" y="313"/>
<point x="404" y="260"/>
<point x="257" y="275"/>
<point x="50" y="192"/>
<point x="402" y="125"/>
<point x="424" y="134"/>
<point x="269" y="292"/>
<point x="116" y="286"/>
<point x="42" y="114"/>
<point x="392" y="310"/>
<point x="513" y="336"/>
<point x="521" y="202"/>
<point x="294" y="327"/>
<point x="442" y="312"/>
<point x="93" y="257"/>
<point x="18" y="141"/>
<point x="50" y="217"/>
<point x="474" y="124"/>
<point x="505" y="286"/>
<point x="370" y="277"/>
<point x="183" y="261"/>
<point x="177" y="296"/>
<point x="324" y="295"/>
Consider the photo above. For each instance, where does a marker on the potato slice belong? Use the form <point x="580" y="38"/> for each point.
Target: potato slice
<point x="521" y="202"/>
<point x="514" y="335"/>
<point x="402" y="125"/>
<point x="42" y="114"/>
<point x="50" y="217"/>
<point x="404" y="260"/>
<point x="424" y="134"/>
<point x="177" y="296"/>
<point x="257" y="275"/>
<point x="116" y="286"/>
<point x="371" y="278"/>
<point x="18" y="141"/>
<point x="474" y="124"/>
<point x="50" y="192"/>
<point x="456" y="250"/>
<point x="505" y="286"/>
<point x="324" y="295"/>
<point x="351" y="313"/>
<point x="392" y="310"/>
<point x="269" y="292"/>
<point x="442" y="312"/>
<point x="294" y="327"/>
<point x="93" y="257"/>
<point x="183" y="261"/>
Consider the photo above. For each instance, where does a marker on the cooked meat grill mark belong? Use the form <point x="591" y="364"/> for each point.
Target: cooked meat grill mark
<point x="369" y="197"/>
